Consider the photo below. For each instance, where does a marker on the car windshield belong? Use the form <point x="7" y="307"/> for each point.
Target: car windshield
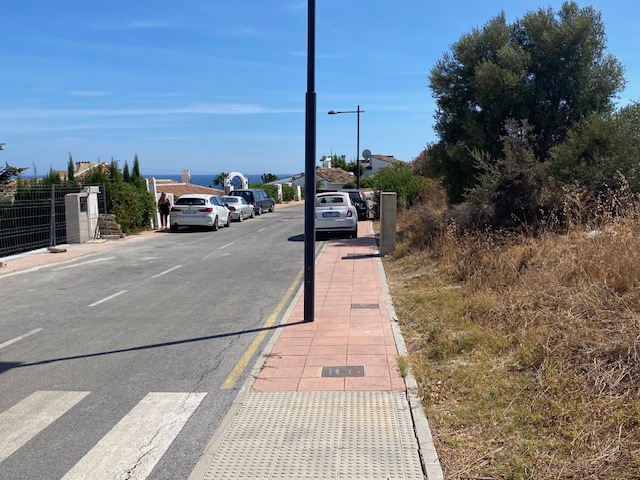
<point x="190" y="201"/>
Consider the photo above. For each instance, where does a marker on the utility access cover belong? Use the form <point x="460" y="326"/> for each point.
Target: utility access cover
<point x="346" y="371"/>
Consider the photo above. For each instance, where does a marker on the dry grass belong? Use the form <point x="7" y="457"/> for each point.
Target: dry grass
<point x="526" y="349"/>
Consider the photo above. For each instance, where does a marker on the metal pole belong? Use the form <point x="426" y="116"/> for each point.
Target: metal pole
<point x="104" y="206"/>
<point x="52" y="240"/>
<point x="358" y="152"/>
<point x="358" y="111"/>
<point x="310" y="170"/>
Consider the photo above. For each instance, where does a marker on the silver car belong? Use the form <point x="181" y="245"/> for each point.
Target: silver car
<point x="335" y="213"/>
<point x="198" y="210"/>
<point x="238" y="206"/>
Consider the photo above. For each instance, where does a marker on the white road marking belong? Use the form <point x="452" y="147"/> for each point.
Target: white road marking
<point x="26" y="419"/>
<point x="17" y="339"/>
<point x="225" y="246"/>
<point x="108" y="298"/>
<point x="133" y="447"/>
<point x="96" y="260"/>
<point x="262" y="229"/>
<point x="166" y="271"/>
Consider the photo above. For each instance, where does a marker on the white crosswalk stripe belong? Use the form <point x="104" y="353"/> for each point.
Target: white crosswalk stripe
<point x="29" y="417"/>
<point x="134" y="446"/>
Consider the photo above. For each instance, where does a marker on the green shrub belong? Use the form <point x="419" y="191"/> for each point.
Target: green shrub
<point x="130" y="202"/>
<point x="399" y="178"/>
<point x="288" y="193"/>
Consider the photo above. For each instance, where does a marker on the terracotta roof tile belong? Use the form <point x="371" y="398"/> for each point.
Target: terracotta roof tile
<point x="334" y="175"/>
<point x="85" y="168"/>
<point x="179" y="188"/>
<point x="387" y="158"/>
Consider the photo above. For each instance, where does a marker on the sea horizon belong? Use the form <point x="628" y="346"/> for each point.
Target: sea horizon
<point x="207" y="180"/>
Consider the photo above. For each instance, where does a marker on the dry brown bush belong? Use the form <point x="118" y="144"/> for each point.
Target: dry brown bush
<point x="526" y="348"/>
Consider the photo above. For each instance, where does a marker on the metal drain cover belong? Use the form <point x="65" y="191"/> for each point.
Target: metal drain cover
<point x="365" y="305"/>
<point x="346" y="371"/>
<point x="350" y="256"/>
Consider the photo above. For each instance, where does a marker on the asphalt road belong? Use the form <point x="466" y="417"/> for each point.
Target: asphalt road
<point x="135" y="350"/>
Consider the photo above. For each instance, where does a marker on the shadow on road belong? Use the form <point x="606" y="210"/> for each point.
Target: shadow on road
<point x="6" y="366"/>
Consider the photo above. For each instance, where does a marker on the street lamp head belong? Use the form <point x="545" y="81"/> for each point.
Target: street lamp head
<point x="332" y="112"/>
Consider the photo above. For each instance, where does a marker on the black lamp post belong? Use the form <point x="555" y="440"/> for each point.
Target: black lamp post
<point x="358" y="111"/>
<point x="309" y="168"/>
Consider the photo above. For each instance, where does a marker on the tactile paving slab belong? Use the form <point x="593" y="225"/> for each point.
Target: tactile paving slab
<point x="320" y="435"/>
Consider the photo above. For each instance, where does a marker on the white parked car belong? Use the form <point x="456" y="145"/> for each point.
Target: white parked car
<point x="336" y="213"/>
<point x="198" y="210"/>
<point x="239" y="207"/>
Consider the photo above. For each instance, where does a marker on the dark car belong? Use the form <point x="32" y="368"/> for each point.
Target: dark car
<point x="359" y="201"/>
<point x="257" y="197"/>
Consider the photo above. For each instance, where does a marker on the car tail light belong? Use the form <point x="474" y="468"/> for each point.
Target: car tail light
<point x="230" y="207"/>
<point x="206" y="210"/>
<point x="349" y="214"/>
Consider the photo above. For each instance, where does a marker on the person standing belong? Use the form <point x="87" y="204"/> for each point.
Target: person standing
<point x="164" y="206"/>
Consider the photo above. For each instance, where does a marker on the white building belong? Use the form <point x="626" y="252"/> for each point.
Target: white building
<point x="326" y="179"/>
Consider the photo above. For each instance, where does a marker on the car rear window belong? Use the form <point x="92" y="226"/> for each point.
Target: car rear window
<point x="190" y="201"/>
<point x="246" y="195"/>
<point x="330" y="200"/>
<point x="231" y="199"/>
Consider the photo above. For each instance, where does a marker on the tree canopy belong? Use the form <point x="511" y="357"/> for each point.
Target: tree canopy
<point x="8" y="172"/>
<point x="268" y="177"/>
<point x="548" y="69"/>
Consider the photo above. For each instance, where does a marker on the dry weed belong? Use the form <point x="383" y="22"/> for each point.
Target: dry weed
<point x="526" y="348"/>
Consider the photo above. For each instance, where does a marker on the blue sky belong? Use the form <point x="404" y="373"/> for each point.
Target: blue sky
<point x="213" y="86"/>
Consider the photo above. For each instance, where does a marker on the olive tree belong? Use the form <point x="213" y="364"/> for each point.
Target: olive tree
<point x="549" y="69"/>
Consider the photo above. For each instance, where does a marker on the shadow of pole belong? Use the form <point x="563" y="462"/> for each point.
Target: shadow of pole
<point x="6" y="366"/>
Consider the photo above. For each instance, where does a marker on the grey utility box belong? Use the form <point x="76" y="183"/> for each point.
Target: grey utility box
<point x="81" y="211"/>
<point x="388" y="210"/>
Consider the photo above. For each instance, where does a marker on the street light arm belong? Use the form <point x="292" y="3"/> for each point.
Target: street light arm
<point x="358" y="111"/>
<point x="333" y="112"/>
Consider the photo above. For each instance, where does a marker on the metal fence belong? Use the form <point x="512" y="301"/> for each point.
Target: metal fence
<point x="33" y="216"/>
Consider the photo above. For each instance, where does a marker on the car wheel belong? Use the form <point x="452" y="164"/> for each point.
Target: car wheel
<point x="273" y="207"/>
<point x="241" y="216"/>
<point x="174" y="227"/>
<point x="228" y="222"/>
<point x="354" y="234"/>
<point x="214" y="227"/>
<point x="259" y="211"/>
<point x="253" y="213"/>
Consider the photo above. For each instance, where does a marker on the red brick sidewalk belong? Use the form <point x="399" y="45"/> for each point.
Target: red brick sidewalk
<point x="351" y="327"/>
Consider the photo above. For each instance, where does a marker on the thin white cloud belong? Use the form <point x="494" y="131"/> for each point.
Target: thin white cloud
<point x="88" y="93"/>
<point x="195" y="109"/>
<point x="168" y="139"/>
<point x="138" y="25"/>
<point x="148" y="24"/>
<point x="299" y="6"/>
<point x="154" y="95"/>
<point x="322" y="56"/>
